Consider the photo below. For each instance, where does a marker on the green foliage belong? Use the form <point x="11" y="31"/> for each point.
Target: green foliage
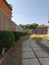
<point x="29" y="26"/>
<point x="21" y="25"/>
<point x="6" y="39"/>
<point x="18" y="34"/>
<point x="34" y="25"/>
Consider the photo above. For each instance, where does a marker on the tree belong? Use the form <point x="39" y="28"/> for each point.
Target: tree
<point x="20" y="25"/>
<point x="29" y="26"/>
<point x="34" y="25"/>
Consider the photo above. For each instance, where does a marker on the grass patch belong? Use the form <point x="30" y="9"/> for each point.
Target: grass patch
<point x="46" y="37"/>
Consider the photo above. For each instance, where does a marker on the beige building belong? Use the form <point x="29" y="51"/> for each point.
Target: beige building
<point x="4" y="6"/>
<point x="19" y="28"/>
<point x="28" y="30"/>
<point x="5" y="17"/>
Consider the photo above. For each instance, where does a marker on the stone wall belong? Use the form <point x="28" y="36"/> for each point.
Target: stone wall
<point x="40" y="30"/>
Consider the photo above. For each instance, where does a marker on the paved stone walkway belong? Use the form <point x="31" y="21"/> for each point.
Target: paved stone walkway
<point x="33" y="54"/>
<point x="45" y="42"/>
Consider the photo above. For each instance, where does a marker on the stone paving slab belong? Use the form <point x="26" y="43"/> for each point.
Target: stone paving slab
<point x="43" y="41"/>
<point x="44" y="61"/>
<point x="26" y="49"/>
<point x="37" y="49"/>
<point x="25" y="46"/>
<point x="29" y="41"/>
<point x="35" y="46"/>
<point x="30" y="62"/>
<point x="28" y="55"/>
<point x="47" y="45"/>
<point x="42" y="54"/>
<point x="26" y="42"/>
<point x="33" y="42"/>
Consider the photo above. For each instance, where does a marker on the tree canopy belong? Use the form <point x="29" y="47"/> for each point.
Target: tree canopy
<point x="29" y="26"/>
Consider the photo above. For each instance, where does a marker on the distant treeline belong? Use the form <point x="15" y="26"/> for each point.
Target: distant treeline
<point x="29" y="26"/>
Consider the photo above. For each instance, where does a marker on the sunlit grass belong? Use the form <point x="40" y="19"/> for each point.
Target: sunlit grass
<point x="34" y="35"/>
<point x="45" y="36"/>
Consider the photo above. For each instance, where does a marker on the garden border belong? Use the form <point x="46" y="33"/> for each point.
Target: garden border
<point x="6" y="55"/>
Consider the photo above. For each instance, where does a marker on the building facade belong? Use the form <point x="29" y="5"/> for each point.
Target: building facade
<point x="5" y="17"/>
<point x="41" y="30"/>
<point x="19" y="28"/>
<point x="6" y="8"/>
<point x="28" y="30"/>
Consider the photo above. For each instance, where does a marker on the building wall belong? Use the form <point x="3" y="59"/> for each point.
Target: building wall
<point x="40" y="30"/>
<point x="19" y="29"/>
<point x="6" y="23"/>
<point x="28" y="30"/>
<point x="4" y="7"/>
<point x="48" y="31"/>
<point x="13" y="26"/>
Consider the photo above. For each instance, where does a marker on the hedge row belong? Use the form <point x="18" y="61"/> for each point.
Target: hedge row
<point x="18" y="35"/>
<point x="7" y="38"/>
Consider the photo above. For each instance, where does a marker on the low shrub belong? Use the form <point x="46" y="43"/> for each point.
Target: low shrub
<point x="7" y="39"/>
<point x="18" y="34"/>
<point x="25" y="34"/>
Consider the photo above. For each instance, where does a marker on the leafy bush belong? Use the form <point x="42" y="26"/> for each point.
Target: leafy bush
<point x="18" y="34"/>
<point x="24" y="34"/>
<point x="6" y="39"/>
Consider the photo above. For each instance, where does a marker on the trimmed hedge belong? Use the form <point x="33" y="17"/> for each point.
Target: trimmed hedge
<point x="7" y="39"/>
<point x="18" y="35"/>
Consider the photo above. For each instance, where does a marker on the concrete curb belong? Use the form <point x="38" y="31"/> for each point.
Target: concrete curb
<point x="6" y="55"/>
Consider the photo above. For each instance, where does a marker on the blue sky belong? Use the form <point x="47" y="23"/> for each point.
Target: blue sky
<point x="30" y="11"/>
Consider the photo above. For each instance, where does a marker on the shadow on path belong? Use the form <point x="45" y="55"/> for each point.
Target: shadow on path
<point x="43" y="46"/>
